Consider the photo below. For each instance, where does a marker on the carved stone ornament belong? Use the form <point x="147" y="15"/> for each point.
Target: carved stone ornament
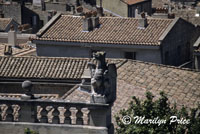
<point x="103" y="80"/>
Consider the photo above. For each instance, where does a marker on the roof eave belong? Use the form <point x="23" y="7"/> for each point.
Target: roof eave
<point x="168" y="29"/>
<point x="96" y="44"/>
<point x="48" y="24"/>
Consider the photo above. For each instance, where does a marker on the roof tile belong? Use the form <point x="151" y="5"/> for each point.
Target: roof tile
<point x="111" y="31"/>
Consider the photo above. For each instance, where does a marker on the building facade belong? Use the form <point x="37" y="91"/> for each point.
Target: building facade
<point x="126" y="8"/>
<point x="165" y="41"/>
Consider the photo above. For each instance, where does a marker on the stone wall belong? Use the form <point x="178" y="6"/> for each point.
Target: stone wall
<point x="178" y="43"/>
<point x="12" y="11"/>
<point x="56" y="6"/>
<point x="18" y="128"/>
<point x="116" y="6"/>
<point x="21" y="38"/>
<point x="143" y="54"/>
<point x="142" y="7"/>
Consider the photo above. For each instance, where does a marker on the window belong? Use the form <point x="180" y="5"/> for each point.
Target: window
<point x="130" y="55"/>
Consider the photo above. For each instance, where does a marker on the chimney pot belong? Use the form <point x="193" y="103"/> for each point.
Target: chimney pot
<point x="12" y="38"/>
<point x="136" y="13"/>
<point x="100" y="11"/>
<point x="142" y="22"/>
<point x="95" y="22"/>
<point x="87" y="24"/>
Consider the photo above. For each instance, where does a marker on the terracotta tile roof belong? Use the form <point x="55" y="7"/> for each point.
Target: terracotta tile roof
<point x="131" y="2"/>
<point x="41" y="68"/>
<point x="182" y="85"/>
<point x="113" y="30"/>
<point x="4" y="22"/>
<point x="135" y="78"/>
<point x="44" y="67"/>
<point x="76" y="95"/>
<point x="23" y="50"/>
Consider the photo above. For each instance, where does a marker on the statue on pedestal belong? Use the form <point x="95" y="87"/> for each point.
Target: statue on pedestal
<point x="103" y="80"/>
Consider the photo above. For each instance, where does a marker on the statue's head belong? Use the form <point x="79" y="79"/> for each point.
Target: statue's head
<point x="100" y="55"/>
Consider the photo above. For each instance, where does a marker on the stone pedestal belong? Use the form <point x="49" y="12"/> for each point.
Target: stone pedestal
<point x="98" y="99"/>
<point x="25" y="97"/>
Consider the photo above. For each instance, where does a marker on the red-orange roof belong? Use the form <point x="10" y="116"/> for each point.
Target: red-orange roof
<point x="131" y="2"/>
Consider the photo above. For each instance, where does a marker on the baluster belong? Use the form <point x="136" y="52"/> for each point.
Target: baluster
<point x="73" y="116"/>
<point x="56" y="114"/>
<point x="49" y="110"/>
<point x="15" y="113"/>
<point x="44" y="113"/>
<point x="67" y="115"/>
<point x="39" y="110"/>
<point x="79" y="117"/>
<point x="4" y="108"/>
<point x="62" y="111"/>
<point x="85" y="112"/>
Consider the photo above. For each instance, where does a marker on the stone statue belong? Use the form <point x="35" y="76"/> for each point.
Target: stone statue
<point x="103" y="79"/>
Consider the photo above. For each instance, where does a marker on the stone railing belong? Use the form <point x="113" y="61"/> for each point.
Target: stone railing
<point x="55" y="112"/>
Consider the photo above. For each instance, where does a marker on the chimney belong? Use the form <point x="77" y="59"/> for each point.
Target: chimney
<point x="142" y="22"/>
<point x="95" y="19"/>
<point x="100" y="11"/>
<point x="8" y="50"/>
<point x="12" y="37"/>
<point x="87" y="22"/>
<point x="95" y="22"/>
<point x="136" y="13"/>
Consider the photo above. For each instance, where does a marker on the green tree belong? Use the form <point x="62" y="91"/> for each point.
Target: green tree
<point x="28" y="131"/>
<point x="157" y="117"/>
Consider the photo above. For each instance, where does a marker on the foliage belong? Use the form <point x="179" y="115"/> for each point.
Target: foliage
<point x="158" y="109"/>
<point x="28" y="131"/>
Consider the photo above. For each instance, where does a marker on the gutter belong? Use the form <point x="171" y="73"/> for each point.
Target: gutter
<point x="90" y="45"/>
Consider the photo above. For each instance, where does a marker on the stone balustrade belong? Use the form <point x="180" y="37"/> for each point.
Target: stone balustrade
<point x="54" y="112"/>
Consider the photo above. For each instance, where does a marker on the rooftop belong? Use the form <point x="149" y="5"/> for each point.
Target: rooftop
<point x="4" y="22"/>
<point x="112" y="30"/>
<point x="131" y="2"/>
<point x="134" y="77"/>
<point x="43" y="67"/>
<point x="22" y="50"/>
